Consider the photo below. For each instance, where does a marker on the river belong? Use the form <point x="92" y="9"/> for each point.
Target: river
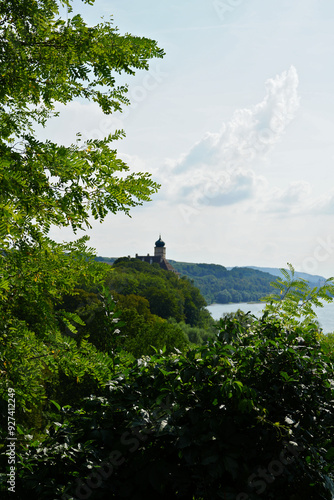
<point x="325" y="314"/>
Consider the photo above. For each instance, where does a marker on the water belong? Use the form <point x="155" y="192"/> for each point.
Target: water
<point x="325" y="314"/>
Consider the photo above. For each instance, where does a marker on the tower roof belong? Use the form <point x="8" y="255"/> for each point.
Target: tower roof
<point x="160" y="243"/>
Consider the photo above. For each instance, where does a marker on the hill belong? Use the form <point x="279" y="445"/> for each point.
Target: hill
<point x="106" y="260"/>
<point x="220" y="285"/>
<point x="168" y="296"/>
<point x="156" y="309"/>
<point x="313" y="279"/>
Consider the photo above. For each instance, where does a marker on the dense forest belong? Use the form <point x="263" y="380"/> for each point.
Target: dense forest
<point x="115" y="383"/>
<point x="218" y="285"/>
<point x="156" y="309"/>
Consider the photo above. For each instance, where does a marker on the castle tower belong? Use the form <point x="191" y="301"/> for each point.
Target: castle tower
<point x="159" y="257"/>
<point x="160" y="249"/>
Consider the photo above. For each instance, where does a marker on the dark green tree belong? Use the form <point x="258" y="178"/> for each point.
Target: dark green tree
<point x="224" y="297"/>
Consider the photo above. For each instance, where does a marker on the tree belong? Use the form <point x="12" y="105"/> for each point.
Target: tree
<point x="168" y="295"/>
<point x="224" y="297"/>
<point x="45" y="60"/>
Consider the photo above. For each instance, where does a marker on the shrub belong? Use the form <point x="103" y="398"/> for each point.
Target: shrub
<point x="248" y="413"/>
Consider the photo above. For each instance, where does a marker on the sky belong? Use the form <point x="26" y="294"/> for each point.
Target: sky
<point x="236" y="123"/>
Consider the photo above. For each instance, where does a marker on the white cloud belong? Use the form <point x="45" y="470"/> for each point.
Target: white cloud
<point x="323" y="205"/>
<point x="217" y="189"/>
<point x="220" y="168"/>
<point x="293" y="199"/>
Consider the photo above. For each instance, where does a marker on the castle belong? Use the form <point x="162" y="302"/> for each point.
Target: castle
<point x="159" y="257"/>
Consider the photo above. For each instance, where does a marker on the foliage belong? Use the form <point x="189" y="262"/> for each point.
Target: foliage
<point x="38" y="276"/>
<point x="239" y="317"/>
<point x="295" y="300"/>
<point x="196" y="335"/>
<point x="168" y="295"/>
<point x="248" y="413"/>
<point x="219" y="285"/>
<point x="55" y="367"/>
<point x="111" y="324"/>
<point x="160" y="337"/>
<point x="144" y="332"/>
<point x="44" y="61"/>
<point x="196" y="424"/>
<point x="139" y="332"/>
<point x="34" y="353"/>
<point x="108" y="260"/>
<point x="327" y="344"/>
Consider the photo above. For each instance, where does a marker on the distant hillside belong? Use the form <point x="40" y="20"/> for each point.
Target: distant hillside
<point x="219" y="285"/>
<point x="222" y="285"/>
<point x="107" y="260"/>
<point x="313" y="279"/>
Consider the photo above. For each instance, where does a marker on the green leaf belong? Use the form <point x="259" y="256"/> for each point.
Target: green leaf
<point x="330" y="454"/>
<point x="55" y="404"/>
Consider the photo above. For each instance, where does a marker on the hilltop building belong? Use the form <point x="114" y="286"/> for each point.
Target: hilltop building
<point x="159" y="257"/>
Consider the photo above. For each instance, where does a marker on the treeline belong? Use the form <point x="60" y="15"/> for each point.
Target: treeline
<point x="217" y="284"/>
<point x="168" y="295"/>
<point x="200" y="424"/>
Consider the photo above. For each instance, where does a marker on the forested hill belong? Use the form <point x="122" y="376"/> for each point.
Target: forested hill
<point x="217" y="284"/>
<point x="312" y="279"/>
<point x="167" y="295"/>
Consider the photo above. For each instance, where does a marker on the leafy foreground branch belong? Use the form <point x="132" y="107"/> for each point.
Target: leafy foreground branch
<point x="295" y="301"/>
<point x="44" y="61"/>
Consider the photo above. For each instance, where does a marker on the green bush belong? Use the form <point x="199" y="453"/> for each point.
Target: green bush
<point x="247" y="416"/>
<point x="327" y="344"/>
<point x="196" y="334"/>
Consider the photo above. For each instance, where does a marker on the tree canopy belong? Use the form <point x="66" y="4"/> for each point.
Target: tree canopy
<point x="168" y="295"/>
<point x="217" y="284"/>
<point x="245" y="417"/>
<point x="46" y="60"/>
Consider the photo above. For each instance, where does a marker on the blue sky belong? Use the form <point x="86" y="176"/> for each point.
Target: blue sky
<point x="236" y="123"/>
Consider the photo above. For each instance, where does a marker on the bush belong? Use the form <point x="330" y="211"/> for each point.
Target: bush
<point x="327" y="344"/>
<point x="248" y="414"/>
<point x="195" y="334"/>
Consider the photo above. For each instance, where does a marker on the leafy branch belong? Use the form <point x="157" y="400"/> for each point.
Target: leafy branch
<point x="296" y="300"/>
